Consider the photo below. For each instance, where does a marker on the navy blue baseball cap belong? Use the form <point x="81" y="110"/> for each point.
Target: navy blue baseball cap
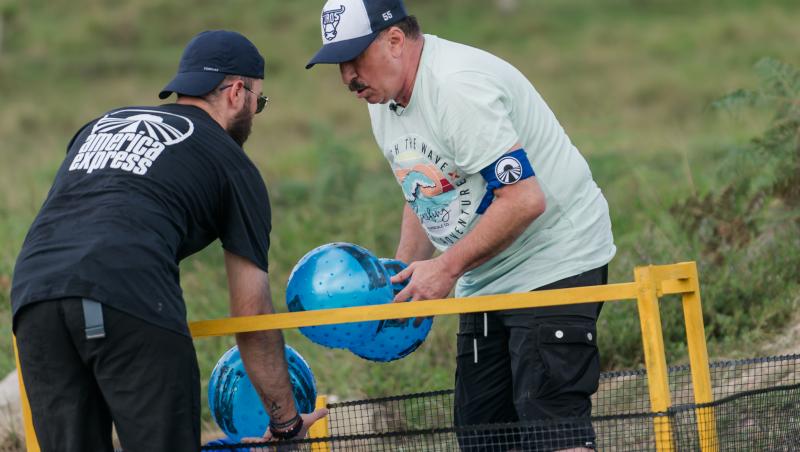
<point x="209" y="57"/>
<point x="350" y="26"/>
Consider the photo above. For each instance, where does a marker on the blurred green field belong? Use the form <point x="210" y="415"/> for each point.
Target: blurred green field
<point x="631" y="81"/>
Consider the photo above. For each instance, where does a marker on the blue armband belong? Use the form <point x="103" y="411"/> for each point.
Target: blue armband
<point x="507" y="170"/>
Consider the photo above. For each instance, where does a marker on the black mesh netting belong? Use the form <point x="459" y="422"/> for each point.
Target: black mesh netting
<point x="756" y="407"/>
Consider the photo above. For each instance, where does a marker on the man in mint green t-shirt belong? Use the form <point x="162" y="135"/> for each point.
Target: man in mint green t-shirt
<point x="494" y="184"/>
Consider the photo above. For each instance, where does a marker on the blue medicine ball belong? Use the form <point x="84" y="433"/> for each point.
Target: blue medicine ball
<point x="233" y="400"/>
<point x="338" y="275"/>
<point x="395" y="339"/>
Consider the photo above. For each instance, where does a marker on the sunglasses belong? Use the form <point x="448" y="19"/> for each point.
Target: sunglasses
<point x="261" y="102"/>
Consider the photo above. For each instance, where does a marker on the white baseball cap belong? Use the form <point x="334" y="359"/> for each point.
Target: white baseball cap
<point x="350" y="26"/>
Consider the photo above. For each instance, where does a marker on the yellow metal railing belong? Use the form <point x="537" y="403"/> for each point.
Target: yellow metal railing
<point x="27" y="420"/>
<point x="650" y="283"/>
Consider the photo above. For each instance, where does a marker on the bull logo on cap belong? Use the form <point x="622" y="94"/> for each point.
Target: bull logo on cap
<point x="330" y="21"/>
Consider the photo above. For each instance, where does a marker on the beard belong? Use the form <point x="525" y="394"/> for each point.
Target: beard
<point x="241" y="125"/>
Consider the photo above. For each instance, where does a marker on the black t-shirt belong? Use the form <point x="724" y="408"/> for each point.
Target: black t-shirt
<point x="140" y="189"/>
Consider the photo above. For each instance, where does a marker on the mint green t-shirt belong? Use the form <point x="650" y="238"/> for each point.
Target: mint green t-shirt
<point x="468" y="108"/>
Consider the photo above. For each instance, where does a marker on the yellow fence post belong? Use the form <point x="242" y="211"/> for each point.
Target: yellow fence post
<point x="31" y="443"/>
<point x="698" y="359"/>
<point x="654" y="355"/>
<point x="320" y="428"/>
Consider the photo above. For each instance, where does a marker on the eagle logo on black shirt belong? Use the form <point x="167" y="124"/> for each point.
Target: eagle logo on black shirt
<point x="151" y="123"/>
<point x="130" y="140"/>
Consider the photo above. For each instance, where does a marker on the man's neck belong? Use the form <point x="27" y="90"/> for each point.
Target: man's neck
<point x="416" y="47"/>
<point x="203" y="105"/>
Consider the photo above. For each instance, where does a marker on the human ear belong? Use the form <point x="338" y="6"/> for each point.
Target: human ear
<point x="234" y="93"/>
<point x="396" y="40"/>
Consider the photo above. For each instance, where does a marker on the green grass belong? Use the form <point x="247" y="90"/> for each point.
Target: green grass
<point x="631" y="81"/>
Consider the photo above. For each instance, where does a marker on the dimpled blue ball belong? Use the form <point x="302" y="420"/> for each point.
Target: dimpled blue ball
<point x="338" y="275"/>
<point x="233" y="400"/>
<point x="395" y="339"/>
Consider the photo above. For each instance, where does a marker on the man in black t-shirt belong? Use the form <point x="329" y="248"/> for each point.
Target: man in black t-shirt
<point x="98" y="310"/>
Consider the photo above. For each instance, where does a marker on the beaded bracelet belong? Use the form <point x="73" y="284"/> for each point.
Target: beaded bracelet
<point x="277" y="429"/>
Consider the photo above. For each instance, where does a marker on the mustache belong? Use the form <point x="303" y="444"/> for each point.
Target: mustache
<point x="356" y="85"/>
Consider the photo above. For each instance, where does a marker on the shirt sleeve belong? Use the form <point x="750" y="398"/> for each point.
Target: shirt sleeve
<point x="475" y="120"/>
<point x="246" y="218"/>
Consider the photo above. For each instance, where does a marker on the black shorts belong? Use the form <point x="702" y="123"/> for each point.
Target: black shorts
<point x="142" y="376"/>
<point x="533" y="364"/>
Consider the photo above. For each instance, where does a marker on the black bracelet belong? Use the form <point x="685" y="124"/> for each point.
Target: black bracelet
<point x="287" y="434"/>
<point x="283" y="425"/>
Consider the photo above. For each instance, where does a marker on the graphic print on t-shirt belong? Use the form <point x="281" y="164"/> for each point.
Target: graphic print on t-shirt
<point x="130" y="140"/>
<point x="431" y="187"/>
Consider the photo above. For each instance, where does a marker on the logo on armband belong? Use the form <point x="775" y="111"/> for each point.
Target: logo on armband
<point x="508" y="170"/>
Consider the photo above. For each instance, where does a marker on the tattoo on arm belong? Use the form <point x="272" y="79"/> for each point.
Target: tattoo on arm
<point x="274" y="407"/>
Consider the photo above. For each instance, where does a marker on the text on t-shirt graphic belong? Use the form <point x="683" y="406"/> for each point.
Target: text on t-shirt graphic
<point x="433" y="188"/>
<point x="130" y="140"/>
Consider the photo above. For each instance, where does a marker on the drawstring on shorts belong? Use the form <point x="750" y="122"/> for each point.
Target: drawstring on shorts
<point x="475" y="333"/>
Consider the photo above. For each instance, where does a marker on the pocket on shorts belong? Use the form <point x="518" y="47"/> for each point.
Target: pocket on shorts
<point x="570" y="358"/>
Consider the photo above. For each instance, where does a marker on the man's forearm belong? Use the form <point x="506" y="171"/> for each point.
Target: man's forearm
<point x="263" y="351"/>
<point x="514" y="208"/>
<point x="501" y="224"/>
<point x="414" y="244"/>
<point x="264" y="359"/>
